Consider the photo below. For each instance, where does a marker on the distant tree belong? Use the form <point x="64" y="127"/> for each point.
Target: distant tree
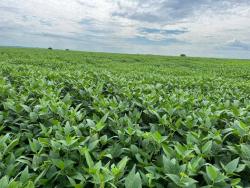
<point x="183" y="55"/>
<point x="67" y="49"/>
<point x="50" y="48"/>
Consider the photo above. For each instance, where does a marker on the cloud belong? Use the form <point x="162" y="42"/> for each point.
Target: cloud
<point x="55" y="36"/>
<point x="164" y="31"/>
<point x="154" y="34"/>
<point x="153" y="41"/>
<point x="237" y="44"/>
<point x="172" y="11"/>
<point x="200" y="28"/>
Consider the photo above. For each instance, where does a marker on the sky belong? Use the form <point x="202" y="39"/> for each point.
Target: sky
<point x="210" y="28"/>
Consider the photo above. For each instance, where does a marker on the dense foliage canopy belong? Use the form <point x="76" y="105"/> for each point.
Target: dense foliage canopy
<point x="78" y="119"/>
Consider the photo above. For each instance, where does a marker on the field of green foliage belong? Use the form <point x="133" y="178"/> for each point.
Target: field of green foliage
<point x="80" y="119"/>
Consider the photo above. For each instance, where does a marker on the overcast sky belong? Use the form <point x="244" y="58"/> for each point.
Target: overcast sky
<point x="219" y="28"/>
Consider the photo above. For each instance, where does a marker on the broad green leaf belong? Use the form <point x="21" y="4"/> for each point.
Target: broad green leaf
<point x="11" y="146"/>
<point x="235" y="182"/>
<point x="33" y="116"/>
<point x="206" y="149"/>
<point x="58" y="163"/>
<point x="25" y="175"/>
<point x="212" y="172"/>
<point x="122" y="164"/>
<point x="133" y="179"/>
<point x="89" y="159"/>
<point x="175" y="178"/>
<point x="4" y="182"/>
<point x="30" y="185"/>
<point x="245" y="149"/>
<point x="232" y="166"/>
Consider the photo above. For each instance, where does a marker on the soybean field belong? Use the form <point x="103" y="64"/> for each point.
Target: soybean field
<point x="85" y="119"/>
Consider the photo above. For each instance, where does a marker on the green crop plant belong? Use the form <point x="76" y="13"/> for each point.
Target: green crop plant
<point x="81" y="119"/>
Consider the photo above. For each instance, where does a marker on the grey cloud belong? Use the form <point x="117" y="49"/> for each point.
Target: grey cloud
<point x="77" y="37"/>
<point x="164" y="42"/>
<point x="237" y="44"/>
<point x="45" y="22"/>
<point x="9" y="9"/>
<point x="169" y="11"/>
<point x="86" y="22"/>
<point x="164" y="31"/>
<point x="7" y="29"/>
<point x="56" y="36"/>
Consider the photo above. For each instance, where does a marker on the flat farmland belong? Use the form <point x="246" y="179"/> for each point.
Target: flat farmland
<point x="84" y="119"/>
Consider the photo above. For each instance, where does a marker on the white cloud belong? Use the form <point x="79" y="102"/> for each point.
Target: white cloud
<point x="108" y="25"/>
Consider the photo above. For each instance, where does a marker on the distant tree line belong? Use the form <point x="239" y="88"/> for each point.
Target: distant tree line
<point x="50" y="48"/>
